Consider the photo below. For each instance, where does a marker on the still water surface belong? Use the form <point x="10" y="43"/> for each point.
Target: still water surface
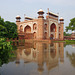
<point x="41" y="59"/>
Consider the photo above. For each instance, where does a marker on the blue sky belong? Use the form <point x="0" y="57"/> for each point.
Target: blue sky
<point x="9" y="9"/>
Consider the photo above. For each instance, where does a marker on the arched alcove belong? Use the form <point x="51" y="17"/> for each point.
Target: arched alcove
<point x="59" y="29"/>
<point x="34" y="26"/>
<point x="45" y="27"/>
<point x="34" y="34"/>
<point x="27" y="29"/>
<point x="21" y="28"/>
<point x="45" y="35"/>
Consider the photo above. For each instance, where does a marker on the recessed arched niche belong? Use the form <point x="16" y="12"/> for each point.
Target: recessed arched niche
<point x="27" y="29"/>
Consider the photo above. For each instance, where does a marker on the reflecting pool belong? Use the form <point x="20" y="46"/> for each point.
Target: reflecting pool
<point x="40" y="58"/>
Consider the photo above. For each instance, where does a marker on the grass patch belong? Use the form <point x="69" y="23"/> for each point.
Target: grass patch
<point x="67" y="41"/>
<point x="70" y="41"/>
<point x="58" y="41"/>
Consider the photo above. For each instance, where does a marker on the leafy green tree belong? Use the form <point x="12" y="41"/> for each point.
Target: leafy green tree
<point x="1" y="21"/>
<point x="71" y="25"/>
<point x="3" y="31"/>
<point x="8" y="29"/>
<point x="11" y="29"/>
<point x="5" y="51"/>
<point x="67" y="34"/>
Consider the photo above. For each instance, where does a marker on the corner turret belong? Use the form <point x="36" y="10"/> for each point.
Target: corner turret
<point x="18" y="18"/>
<point x="40" y="12"/>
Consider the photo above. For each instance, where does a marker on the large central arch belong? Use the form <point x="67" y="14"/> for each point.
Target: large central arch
<point x="53" y="27"/>
<point x="27" y="29"/>
<point x="53" y="30"/>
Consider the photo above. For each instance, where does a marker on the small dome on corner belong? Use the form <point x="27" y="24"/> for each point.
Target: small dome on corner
<point x="17" y="16"/>
<point x="61" y="17"/>
<point x="40" y="10"/>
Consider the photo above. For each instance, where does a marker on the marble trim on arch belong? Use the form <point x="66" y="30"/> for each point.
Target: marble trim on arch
<point x="29" y="24"/>
<point x="50" y="23"/>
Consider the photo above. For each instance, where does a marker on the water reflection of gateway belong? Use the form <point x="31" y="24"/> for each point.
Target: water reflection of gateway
<point x="42" y="53"/>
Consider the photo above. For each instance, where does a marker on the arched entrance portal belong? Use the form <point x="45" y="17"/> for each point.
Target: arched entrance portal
<point x="53" y="27"/>
<point x="27" y="29"/>
<point x="28" y="34"/>
<point x="53" y="31"/>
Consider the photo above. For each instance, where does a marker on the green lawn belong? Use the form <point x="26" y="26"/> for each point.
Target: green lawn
<point x="66" y="41"/>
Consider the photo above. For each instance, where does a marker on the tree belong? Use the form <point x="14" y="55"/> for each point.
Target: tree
<point x="1" y="21"/>
<point x="67" y="34"/>
<point x="6" y="51"/>
<point x="3" y="31"/>
<point x="71" y="25"/>
<point x="11" y="29"/>
<point x="8" y="29"/>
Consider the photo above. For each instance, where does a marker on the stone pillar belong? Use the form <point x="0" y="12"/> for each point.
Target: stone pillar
<point x="62" y="29"/>
<point x="18" y="22"/>
<point x="40" y="30"/>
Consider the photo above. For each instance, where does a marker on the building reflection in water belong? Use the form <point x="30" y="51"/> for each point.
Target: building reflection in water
<point x="41" y="53"/>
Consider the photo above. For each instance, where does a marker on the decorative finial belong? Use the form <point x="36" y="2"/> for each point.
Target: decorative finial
<point x="48" y="10"/>
<point x="24" y="16"/>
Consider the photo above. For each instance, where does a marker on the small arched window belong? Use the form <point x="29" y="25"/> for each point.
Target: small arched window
<point x="21" y="28"/>
<point x="34" y="26"/>
<point x="45" y="27"/>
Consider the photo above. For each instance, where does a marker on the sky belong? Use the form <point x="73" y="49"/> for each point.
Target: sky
<point x="9" y="9"/>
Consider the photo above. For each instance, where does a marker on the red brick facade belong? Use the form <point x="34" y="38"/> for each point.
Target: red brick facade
<point x="41" y="28"/>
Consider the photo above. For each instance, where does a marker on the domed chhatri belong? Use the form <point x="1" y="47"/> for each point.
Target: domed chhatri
<point x="61" y="19"/>
<point x="18" y="18"/>
<point x="41" y="28"/>
<point x="40" y="12"/>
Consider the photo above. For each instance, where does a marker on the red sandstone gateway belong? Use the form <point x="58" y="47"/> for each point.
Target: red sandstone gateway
<point x="41" y="28"/>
